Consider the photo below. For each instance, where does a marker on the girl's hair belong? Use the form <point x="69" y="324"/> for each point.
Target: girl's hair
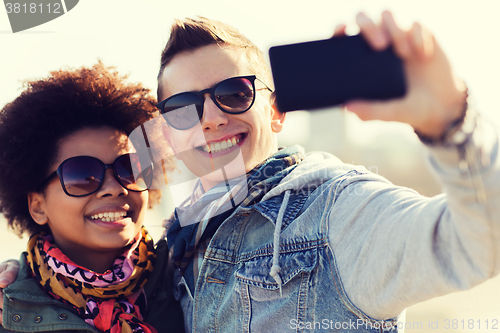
<point x="48" y="110"/>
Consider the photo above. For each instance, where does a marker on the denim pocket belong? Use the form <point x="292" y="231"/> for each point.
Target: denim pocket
<point x="254" y="273"/>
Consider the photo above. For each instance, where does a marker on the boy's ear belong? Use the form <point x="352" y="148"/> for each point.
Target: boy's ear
<point x="278" y="118"/>
<point x="36" y="206"/>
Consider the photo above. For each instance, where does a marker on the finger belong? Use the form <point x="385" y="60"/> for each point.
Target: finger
<point x="339" y="30"/>
<point x="398" y="37"/>
<point x="8" y="272"/>
<point x="373" y="34"/>
<point x="422" y="41"/>
<point x="372" y="110"/>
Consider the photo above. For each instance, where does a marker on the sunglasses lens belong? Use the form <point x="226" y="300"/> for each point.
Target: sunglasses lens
<point x="235" y="95"/>
<point x="183" y="111"/>
<point x="132" y="174"/>
<point x="82" y="175"/>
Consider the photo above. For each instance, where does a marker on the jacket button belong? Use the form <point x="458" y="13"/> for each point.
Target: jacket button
<point x="16" y="318"/>
<point x="63" y="316"/>
<point x="38" y="320"/>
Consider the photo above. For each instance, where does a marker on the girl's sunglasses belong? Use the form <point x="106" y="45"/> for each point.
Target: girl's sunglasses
<point x="234" y="95"/>
<point x="84" y="175"/>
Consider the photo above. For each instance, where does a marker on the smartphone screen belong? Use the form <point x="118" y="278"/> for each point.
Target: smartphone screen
<point x="329" y="72"/>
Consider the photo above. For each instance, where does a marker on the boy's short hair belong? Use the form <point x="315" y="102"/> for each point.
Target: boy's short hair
<point x="48" y="110"/>
<point x="191" y="34"/>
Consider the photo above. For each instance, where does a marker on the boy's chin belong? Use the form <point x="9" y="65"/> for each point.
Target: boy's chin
<point x="217" y="168"/>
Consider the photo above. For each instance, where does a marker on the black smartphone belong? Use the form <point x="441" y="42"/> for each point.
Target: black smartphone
<point x="329" y="72"/>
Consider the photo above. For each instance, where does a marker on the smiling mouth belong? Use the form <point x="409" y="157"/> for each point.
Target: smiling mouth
<point x="109" y="216"/>
<point x="215" y="147"/>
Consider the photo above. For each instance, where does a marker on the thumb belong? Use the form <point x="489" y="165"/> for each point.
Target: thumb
<point x="8" y="272"/>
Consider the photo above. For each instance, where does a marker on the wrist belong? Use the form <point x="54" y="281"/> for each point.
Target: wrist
<point x="457" y="131"/>
<point x="443" y="111"/>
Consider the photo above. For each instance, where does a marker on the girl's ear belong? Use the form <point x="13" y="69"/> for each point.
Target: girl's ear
<point x="277" y="118"/>
<point x="36" y="206"/>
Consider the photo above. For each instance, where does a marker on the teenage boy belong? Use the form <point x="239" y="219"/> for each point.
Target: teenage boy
<point x="307" y="241"/>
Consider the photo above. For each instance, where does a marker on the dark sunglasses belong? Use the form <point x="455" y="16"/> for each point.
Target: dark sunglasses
<point x="84" y="175"/>
<point x="234" y="95"/>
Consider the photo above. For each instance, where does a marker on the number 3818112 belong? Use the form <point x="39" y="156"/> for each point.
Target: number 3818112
<point x="33" y="8"/>
<point x="471" y="324"/>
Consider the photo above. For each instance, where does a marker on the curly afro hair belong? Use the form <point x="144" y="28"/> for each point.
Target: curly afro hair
<point x="49" y="110"/>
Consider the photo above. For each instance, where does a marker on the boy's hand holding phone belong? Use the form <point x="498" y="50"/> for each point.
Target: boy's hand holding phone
<point x="435" y="96"/>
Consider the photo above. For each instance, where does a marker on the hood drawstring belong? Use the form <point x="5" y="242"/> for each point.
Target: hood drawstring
<point x="275" y="269"/>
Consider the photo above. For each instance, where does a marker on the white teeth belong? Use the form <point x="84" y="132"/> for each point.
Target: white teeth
<point x="109" y="216"/>
<point x="214" y="147"/>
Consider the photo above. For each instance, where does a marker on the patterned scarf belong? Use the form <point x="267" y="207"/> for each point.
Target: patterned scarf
<point x="112" y="301"/>
<point x="193" y="224"/>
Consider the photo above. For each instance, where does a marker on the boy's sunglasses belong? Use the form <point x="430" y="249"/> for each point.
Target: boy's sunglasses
<point x="234" y="95"/>
<point x="84" y="175"/>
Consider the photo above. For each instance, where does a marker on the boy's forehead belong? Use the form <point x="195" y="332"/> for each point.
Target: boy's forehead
<point x="202" y="68"/>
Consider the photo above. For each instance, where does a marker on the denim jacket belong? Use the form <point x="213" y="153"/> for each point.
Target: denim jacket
<point x="336" y="248"/>
<point x="236" y="293"/>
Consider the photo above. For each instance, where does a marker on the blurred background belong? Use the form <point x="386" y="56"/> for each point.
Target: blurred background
<point x="131" y="34"/>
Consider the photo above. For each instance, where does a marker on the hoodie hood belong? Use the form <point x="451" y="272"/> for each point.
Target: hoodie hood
<point x="314" y="170"/>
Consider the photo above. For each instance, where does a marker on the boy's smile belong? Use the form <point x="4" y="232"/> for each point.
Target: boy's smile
<point x="219" y="137"/>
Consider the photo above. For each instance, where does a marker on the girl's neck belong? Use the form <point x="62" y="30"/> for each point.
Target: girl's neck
<point x="98" y="261"/>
